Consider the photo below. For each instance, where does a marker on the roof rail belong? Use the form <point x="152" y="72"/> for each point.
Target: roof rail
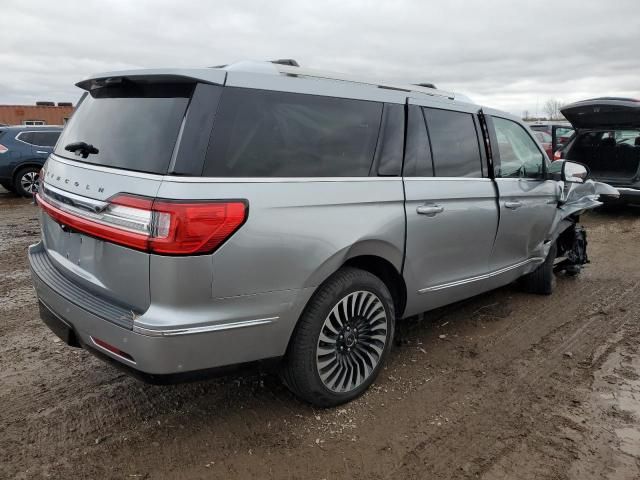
<point x="306" y="72"/>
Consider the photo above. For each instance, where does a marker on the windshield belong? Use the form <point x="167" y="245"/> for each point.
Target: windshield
<point x="129" y="125"/>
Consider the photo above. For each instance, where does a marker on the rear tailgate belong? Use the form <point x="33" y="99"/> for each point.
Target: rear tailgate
<point x="603" y="113"/>
<point x="112" y="271"/>
<point x="120" y="140"/>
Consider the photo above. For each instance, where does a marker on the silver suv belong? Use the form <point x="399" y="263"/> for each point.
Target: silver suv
<point x="200" y="218"/>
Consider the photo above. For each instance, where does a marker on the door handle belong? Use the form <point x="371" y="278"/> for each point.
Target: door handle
<point x="513" y="205"/>
<point x="40" y="151"/>
<point x="430" y="210"/>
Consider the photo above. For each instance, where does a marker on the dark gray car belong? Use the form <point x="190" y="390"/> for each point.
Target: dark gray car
<point x="200" y="218"/>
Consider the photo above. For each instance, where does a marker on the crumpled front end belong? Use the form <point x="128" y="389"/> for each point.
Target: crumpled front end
<point x="571" y="238"/>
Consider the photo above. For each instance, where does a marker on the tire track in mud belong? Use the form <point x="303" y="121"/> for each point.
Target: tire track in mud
<point x="536" y="369"/>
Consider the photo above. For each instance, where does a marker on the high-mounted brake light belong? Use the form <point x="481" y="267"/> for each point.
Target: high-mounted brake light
<point x="165" y="227"/>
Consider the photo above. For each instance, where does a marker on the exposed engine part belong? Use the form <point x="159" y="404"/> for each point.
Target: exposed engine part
<point x="572" y="245"/>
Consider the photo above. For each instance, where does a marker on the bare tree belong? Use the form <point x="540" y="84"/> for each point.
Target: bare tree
<point x="552" y="108"/>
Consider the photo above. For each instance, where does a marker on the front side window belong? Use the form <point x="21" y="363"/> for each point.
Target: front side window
<point x="454" y="143"/>
<point x="519" y="155"/>
<point x="259" y="133"/>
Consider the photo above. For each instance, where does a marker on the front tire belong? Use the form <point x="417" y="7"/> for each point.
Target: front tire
<point x="542" y="280"/>
<point x="342" y="339"/>
<point x="26" y="181"/>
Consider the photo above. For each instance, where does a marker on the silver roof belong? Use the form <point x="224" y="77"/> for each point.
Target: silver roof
<point x="256" y="73"/>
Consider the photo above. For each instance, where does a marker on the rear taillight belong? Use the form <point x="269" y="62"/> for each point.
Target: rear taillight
<point x="3" y="149"/>
<point x="557" y="155"/>
<point x="165" y="227"/>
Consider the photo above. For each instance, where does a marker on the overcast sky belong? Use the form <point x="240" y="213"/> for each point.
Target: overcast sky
<point x="512" y="55"/>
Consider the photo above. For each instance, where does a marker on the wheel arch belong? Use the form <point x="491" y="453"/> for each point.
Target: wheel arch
<point x="21" y="165"/>
<point x="385" y="271"/>
<point x="380" y="258"/>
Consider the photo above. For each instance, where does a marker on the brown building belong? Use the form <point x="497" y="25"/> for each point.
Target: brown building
<point x="42" y="113"/>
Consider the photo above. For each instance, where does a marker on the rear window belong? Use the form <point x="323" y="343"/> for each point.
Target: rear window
<point x="133" y="125"/>
<point x="261" y="133"/>
<point x="454" y="143"/>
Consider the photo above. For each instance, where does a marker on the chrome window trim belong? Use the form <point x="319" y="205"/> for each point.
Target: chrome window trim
<point x="465" y="179"/>
<point x="179" y="179"/>
<point x="485" y="276"/>
<point x="171" y="332"/>
<point x="98" y="168"/>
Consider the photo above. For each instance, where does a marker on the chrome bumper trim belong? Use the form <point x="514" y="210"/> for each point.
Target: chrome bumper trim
<point x="209" y="328"/>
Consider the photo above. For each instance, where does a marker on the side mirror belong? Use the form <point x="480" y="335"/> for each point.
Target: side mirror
<point x="570" y="172"/>
<point x="573" y="172"/>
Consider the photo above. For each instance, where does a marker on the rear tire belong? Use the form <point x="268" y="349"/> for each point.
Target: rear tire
<point x="342" y="339"/>
<point x="26" y="181"/>
<point x="542" y="280"/>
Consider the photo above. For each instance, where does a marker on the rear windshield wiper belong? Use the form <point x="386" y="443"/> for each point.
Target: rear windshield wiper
<point x="85" y="149"/>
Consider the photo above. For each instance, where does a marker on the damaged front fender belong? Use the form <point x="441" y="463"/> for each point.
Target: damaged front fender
<point x="571" y="238"/>
<point x="575" y="199"/>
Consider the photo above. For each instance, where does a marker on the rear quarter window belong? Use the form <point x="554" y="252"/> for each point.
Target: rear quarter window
<point x="26" y="137"/>
<point x="259" y="133"/>
<point x="454" y="143"/>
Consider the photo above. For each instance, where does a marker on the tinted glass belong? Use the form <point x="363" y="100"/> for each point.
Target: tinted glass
<point x="44" y="139"/>
<point x="417" y="158"/>
<point x="134" y="126"/>
<point x="261" y="133"/>
<point x="26" y="137"/>
<point x="519" y="155"/>
<point x="388" y="158"/>
<point x="454" y="143"/>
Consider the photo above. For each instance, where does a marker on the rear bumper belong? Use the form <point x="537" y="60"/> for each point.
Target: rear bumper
<point x="174" y="348"/>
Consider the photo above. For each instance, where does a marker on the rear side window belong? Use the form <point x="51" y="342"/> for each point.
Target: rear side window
<point x="133" y="125"/>
<point x="261" y="133"/>
<point x="40" y="139"/>
<point x="454" y="143"/>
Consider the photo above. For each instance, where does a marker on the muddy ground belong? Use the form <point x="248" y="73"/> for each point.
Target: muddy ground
<point x="503" y="386"/>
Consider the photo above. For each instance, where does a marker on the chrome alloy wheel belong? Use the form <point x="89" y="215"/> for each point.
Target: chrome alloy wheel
<point x="352" y="340"/>
<point x="29" y="182"/>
